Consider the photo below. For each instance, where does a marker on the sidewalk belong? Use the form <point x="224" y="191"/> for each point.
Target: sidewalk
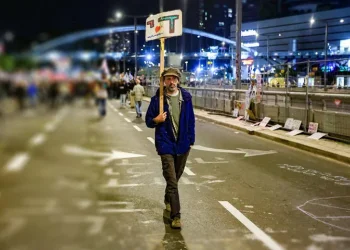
<point x="332" y="149"/>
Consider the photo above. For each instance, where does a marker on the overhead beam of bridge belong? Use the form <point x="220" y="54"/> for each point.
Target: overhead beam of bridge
<point x="74" y="37"/>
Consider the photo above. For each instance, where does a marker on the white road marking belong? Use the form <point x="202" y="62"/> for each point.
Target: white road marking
<point x="201" y="161"/>
<point x="247" y="152"/>
<point x="186" y="181"/>
<point x="158" y="181"/>
<point x="108" y="203"/>
<point x="188" y="171"/>
<point x="150" y="139"/>
<point x="113" y="183"/>
<point x="137" y="128"/>
<point x="120" y="114"/>
<point x="15" y="224"/>
<point x="37" y="139"/>
<point x="50" y="127"/>
<point x="259" y="234"/>
<point x="107" y="157"/>
<point x="120" y="210"/>
<point x="96" y="222"/>
<point x="109" y="171"/>
<point x="83" y="204"/>
<point x="126" y="119"/>
<point x="17" y="162"/>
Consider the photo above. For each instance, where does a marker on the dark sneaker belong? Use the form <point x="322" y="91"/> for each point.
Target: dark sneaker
<point x="167" y="207"/>
<point x="176" y="223"/>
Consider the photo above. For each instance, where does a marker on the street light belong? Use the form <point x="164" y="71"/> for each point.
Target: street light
<point x="118" y="16"/>
<point x="312" y="21"/>
<point x="186" y="65"/>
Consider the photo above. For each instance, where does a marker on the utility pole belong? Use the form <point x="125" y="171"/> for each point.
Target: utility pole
<point x="135" y="44"/>
<point x="238" y="42"/>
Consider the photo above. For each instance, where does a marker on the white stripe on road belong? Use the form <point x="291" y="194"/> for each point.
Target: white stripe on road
<point x="37" y="140"/>
<point x="120" y="210"/>
<point x="137" y="128"/>
<point x="261" y="235"/>
<point x="126" y="119"/>
<point x="50" y="127"/>
<point x="150" y="139"/>
<point x="188" y="171"/>
<point x="121" y="114"/>
<point x="17" y="162"/>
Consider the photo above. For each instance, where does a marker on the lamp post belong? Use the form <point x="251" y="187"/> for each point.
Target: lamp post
<point x="186" y="65"/>
<point x="118" y="16"/>
<point x="326" y="22"/>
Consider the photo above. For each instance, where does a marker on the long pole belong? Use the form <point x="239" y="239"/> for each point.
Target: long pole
<point x="238" y="42"/>
<point x="325" y="55"/>
<point x="307" y="97"/>
<point x="135" y="45"/>
<point x="161" y="68"/>
<point x="267" y="49"/>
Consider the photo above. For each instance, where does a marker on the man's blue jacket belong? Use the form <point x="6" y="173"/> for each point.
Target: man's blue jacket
<point x="165" y="140"/>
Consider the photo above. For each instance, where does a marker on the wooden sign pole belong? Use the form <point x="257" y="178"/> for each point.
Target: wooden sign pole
<point x="161" y="84"/>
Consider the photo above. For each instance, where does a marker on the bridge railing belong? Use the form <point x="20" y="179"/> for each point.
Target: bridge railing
<point x="330" y="110"/>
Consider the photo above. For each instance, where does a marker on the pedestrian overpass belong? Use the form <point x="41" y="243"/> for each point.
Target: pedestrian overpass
<point x="77" y="36"/>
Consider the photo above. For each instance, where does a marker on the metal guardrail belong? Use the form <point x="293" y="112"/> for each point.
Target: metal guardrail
<point x="330" y="110"/>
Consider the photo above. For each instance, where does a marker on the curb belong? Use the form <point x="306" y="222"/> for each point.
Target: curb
<point x="294" y="144"/>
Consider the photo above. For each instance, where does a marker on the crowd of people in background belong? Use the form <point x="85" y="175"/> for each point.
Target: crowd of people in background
<point x="28" y="90"/>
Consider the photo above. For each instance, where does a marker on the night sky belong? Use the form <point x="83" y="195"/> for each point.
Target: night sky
<point x="28" y="19"/>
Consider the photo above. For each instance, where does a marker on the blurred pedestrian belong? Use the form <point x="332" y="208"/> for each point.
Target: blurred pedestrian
<point x="137" y="93"/>
<point x="32" y="91"/>
<point x="102" y="95"/>
<point x="174" y="136"/>
<point x="122" y="89"/>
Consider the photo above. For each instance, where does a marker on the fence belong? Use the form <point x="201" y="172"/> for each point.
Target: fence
<point x="330" y="110"/>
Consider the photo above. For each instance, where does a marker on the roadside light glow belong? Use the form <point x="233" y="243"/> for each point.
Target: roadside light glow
<point x="199" y="69"/>
<point x="181" y="56"/>
<point x="279" y="34"/>
<point x="118" y="14"/>
<point x="198" y="36"/>
<point x="312" y="20"/>
<point x="223" y="43"/>
<point x="149" y="57"/>
<point x="341" y="20"/>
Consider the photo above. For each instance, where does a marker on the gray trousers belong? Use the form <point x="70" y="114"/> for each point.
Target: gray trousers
<point x="173" y="167"/>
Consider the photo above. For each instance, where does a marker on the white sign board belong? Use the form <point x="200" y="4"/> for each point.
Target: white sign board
<point x="294" y="132"/>
<point x="275" y="127"/>
<point x="164" y="25"/>
<point x="265" y="121"/>
<point x="296" y="124"/>
<point x="289" y="123"/>
<point x="317" y="136"/>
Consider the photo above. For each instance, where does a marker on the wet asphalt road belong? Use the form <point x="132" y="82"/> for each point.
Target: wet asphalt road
<point x="71" y="181"/>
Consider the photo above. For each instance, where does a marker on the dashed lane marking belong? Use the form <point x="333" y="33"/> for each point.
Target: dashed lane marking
<point x="189" y="172"/>
<point x="261" y="235"/>
<point x="126" y="119"/>
<point x="150" y="139"/>
<point x="17" y="162"/>
<point x="37" y="139"/>
<point x="137" y="128"/>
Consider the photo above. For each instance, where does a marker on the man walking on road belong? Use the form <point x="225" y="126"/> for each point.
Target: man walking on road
<point x="174" y="136"/>
<point x="138" y="92"/>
